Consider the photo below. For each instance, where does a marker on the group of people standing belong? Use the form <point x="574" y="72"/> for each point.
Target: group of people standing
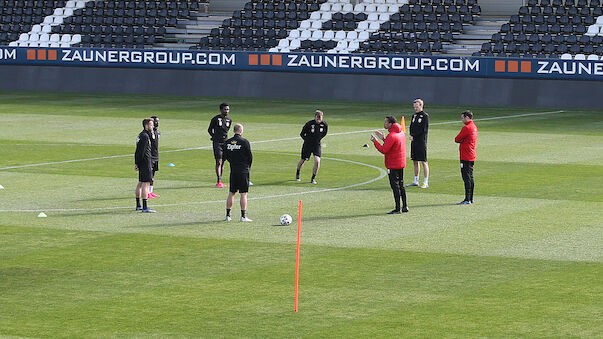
<point x="237" y="151"/>
<point x="394" y="149"/>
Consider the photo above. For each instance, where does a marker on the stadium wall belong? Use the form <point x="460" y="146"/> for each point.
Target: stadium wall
<point x="467" y="91"/>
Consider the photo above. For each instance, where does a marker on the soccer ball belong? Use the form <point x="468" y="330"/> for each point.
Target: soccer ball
<point x="286" y="220"/>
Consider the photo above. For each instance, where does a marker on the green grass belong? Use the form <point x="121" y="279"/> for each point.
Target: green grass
<point x="525" y="261"/>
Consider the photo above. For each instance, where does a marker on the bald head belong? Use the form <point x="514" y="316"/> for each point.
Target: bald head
<point x="238" y="129"/>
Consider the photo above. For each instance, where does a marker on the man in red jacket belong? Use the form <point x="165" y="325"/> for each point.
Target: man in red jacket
<point x="467" y="139"/>
<point x="394" y="148"/>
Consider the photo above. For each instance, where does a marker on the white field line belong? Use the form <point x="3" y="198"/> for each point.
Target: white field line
<point x="382" y="174"/>
<point x="263" y="141"/>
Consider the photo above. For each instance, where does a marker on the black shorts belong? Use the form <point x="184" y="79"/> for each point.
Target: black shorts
<point x="155" y="166"/>
<point x="418" y="151"/>
<point x="218" y="152"/>
<point x="145" y="173"/>
<point x="308" y="149"/>
<point x="239" y="181"/>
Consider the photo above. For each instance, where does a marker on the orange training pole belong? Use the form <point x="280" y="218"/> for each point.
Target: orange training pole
<point x="403" y="123"/>
<point x="299" y="215"/>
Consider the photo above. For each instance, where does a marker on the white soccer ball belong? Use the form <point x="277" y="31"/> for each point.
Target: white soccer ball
<point x="286" y="220"/>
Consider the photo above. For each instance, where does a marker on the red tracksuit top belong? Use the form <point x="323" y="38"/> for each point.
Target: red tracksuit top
<point x="467" y="139"/>
<point x="394" y="148"/>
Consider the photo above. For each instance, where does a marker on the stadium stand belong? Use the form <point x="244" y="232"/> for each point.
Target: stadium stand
<point x="89" y="23"/>
<point x="370" y="26"/>
<point x="550" y="28"/>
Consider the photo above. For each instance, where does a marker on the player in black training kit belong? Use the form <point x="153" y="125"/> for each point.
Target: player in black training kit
<point x="143" y="164"/>
<point x="218" y="129"/>
<point x="154" y="154"/>
<point x="238" y="153"/>
<point x="419" y="127"/>
<point x="312" y="132"/>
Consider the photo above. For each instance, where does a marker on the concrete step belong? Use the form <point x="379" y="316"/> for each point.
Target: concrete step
<point x="163" y="45"/>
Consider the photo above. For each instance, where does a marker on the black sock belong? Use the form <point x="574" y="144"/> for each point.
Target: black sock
<point x="144" y="204"/>
<point x="219" y="178"/>
<point x="137" y="202"/>
<point x="228" y="212"/>
<point x="313" y="176"/>
<point x="243" y="212"/>
<point x="297" y="173"/>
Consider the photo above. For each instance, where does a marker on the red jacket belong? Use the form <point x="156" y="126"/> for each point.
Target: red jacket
<point x="467" y="139"/>
<point x="394" y="148"/>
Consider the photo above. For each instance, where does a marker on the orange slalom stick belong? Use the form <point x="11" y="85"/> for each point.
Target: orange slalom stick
<point x="403" y="123"/>
<point x="299" y="215"/>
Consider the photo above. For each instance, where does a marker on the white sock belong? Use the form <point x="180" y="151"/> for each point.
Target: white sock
<point x="416" y="180"/>
<point x="150" y="189"/>
<point x="425" y="181"/>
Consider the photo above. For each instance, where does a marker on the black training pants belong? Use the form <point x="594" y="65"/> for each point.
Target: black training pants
<point x="467" y="174"/>
<point x="396" y="181"/>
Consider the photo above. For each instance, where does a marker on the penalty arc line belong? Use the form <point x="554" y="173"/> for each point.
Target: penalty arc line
<point x="261" y="141"/>
<point x="382" y="174"/>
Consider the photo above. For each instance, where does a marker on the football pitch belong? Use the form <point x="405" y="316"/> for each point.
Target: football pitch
<point x="525" y="261"/>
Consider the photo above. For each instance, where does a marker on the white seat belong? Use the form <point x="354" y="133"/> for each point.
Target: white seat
<point x="48" y="20"/>
<point x="379" y="1"/>
<point x="44" y="44"/>
<point x="580" y="56"/>
<point x="64" y="45"/>
<point x="347" y="8"/>
<point x="294" y="34"/>
<point x="76" y="39"/>
<point x="285" y="50"/>
<point x="58" y="12"/>
<point x="316" y="25"/>
<point x="315" y="16"/>
<point x="45" y="37"/>
<point x="58" y="20"/>
<point x="326" y="7"/>
<point x="383" y="17"/>
<point x="70" y="4"/>
<point x="46" y="29"/>
<point x="305" y="35"/>
<point x="337" y="7"/>
<point x="592" y="30"/>
<point x="34" y="37"/>
<point x="13" y="44"/>
<point x="304" y="25"/>
<point x="362" y="26"/>
<point x="294" y="44"/>
<point x="351" y="36"/>
<point x="316" y="35"/>
<point x="592" y="57"/>
<point x="393" y="8"/>
<point x="36" y="29"/>
<point x="332" y="51"/>
<point x="273" y="50"/>
<point x="370" y="9"/>
<point x="352" y="46"/>
<point x="359" y="8"/>
<point x="383" y="9"/>
<point x="601" y="57"/>
<point x="34" y="44"/>
<point x="372" y="17"/>
<point x="23" y="44"/>
<point x="66" y="38"/>
<point x="391" y="2"/>
<point x="326" y="16"/>
<point x="54" y="44"/>
<point x="283" y="43"/>
<point x="341" y="45"/>
<point x="340" y="35"/>
<point x="55" y="38"/>
<point x="328" y="35"/>
<point x="23" y="37"/>
<point x="68" y="12"/>
<point x="566" y="56"/>
<point x="374" y="26"/>
<point x="363" y="36"/>
<point x="600" y="20"/>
